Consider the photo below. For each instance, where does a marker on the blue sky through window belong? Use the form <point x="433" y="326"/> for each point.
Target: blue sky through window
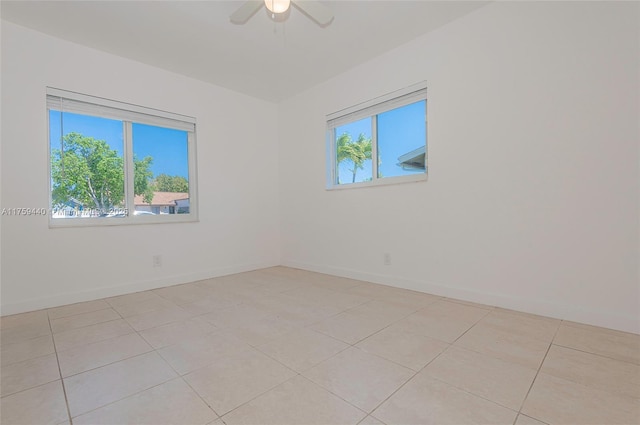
<point x="400" y="130"/>
<point x="168" y="147"/>
<point x="99" y="128"/>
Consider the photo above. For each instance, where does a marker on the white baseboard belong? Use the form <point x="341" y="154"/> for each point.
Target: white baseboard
<point x="127" y="288"/>
<point x="605" y="319"/>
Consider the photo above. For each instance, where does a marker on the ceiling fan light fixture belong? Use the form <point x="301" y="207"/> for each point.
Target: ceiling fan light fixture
<point x="277" y="6"/>
<point x="279" y="11"/>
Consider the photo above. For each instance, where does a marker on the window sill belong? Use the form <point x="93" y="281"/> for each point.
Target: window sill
<point x="58" y="223"/>
<point x="380" y="182"/>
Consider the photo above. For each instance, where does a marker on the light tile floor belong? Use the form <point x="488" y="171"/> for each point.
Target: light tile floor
<point x="284" y="346"/>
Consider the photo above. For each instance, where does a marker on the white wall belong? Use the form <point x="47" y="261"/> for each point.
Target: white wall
<point x="532" y="201"/>
<point x="237" y="179"/>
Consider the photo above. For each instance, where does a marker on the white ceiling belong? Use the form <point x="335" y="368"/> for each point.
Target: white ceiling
<point x="261" y="58"/>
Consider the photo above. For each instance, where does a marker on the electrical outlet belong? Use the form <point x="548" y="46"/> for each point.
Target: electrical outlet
<point x="157" y="261"/>
<point x="387" y="259"/>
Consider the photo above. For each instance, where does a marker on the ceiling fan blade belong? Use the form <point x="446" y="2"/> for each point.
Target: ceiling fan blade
<point x="316" y="11"/>
<point x="245" y="12"/>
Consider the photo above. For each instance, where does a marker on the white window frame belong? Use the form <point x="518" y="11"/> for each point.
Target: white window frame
<point x="67" y="101"/>
<point x="371" y="109"/>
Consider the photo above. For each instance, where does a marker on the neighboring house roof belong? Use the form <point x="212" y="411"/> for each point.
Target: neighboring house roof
<point x="414" y="160"/>
<point x="72" y="203"/>
<point x="162" y="198"/>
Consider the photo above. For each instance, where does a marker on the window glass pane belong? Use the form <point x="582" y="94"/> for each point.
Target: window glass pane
<point x="161" y="164"/>
<point x="87" y="166"/>
<point x="402" y="135"/>
<point x="353" y="152"/>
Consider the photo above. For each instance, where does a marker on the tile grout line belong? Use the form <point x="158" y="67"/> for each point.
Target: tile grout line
<point x="581" y="326"/>
<point x="329" y="358"/>
<point x="27" y="360"/>
<point x="259" y="395"/>
<point x="198" y="394"/>
<point x="180" y="376"/>
<point x="86" y="326"/>
<point x="425" y="366"/>
<point x="221" y="417"/>
<point x="475" y="395"/>
<point x="64" y="388"/>
<point x="587" y="385"/>
<point x="602" y="356"/>
<point x="20" y="341"/>
<point x="135" y="331"/>
<point x="264" y="392"/>
<point x="368" y="336"/>
<point x="110" y="363"/>
<point x="471" y="327"/>
<point x="293" y="370"/>
<point x="153" y="350"/>
<point x="530" y="417"/>
<point x="470" y="392"/>
<point x="385" y="359"/>
<point x="84" y="312"/>
<point x="312" y="382"/>
<point x="403" y="385"/>
<point x="415" y="373"/>
<point x="524" y="400"/>
<point x="126" y="397"/>
<point x="101" y="341"/>
<point x="449" y="384"/>
<point x="431" y="361"/>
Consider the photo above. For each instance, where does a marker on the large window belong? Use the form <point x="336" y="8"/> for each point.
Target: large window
<point x="381" y="141"/>
<point x="116" y="163"/>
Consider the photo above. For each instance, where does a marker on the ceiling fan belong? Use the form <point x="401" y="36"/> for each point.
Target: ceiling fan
<point x="278" y="10"/>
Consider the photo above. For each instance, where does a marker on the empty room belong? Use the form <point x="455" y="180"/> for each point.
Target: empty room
<point x="298" y="212"/>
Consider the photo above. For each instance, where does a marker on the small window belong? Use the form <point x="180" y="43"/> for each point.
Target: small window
<point x="383" y="141"/>
<point x="116" y="163"/>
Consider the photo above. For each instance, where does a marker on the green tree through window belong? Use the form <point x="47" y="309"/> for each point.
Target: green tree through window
<point x="167" y="183"/>
<point x="355" y="152"/>
<point x="89" y="171"/>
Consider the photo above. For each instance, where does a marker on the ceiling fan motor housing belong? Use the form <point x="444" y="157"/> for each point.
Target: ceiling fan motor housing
<point x="277" y="6"/>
